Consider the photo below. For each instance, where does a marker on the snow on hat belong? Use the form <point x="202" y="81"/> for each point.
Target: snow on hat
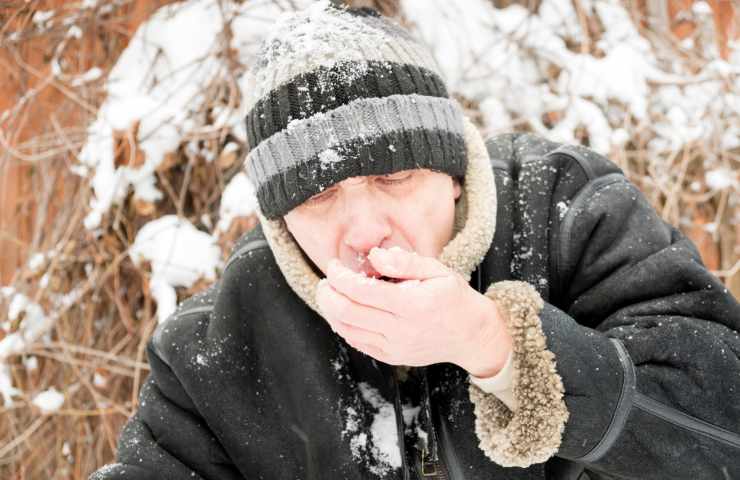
<point x="337" y="93"/>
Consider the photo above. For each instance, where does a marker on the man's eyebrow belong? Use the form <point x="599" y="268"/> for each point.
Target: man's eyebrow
<point x="327" y="189"/>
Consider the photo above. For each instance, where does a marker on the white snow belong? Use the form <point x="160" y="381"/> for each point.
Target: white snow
<point x="410" y="414"/>
<point x="422" y="434"/>
<point x="562" y="209"/>
<point x="6" y="385"/>
<point x="179" y="255"/>
<point x="49" y="401"/>
<point x="201" y="360"/>
<point x="500" y="57"/>
<point x="89" y="76"/>
<point x="159" y="81"/>
<point x="357" y="444"/>
<point x="383" y="430"/>
<point x="701" y="8"/>
<point x="329" y="157"/>
<point x="239" y="199"/>
<point x="352" y="423"/>
<point x="36" y="261"/>
<point x="99" y="380"/>
<point x="41" y="17"/>
<point x="75" y="32"/>
<point x="382" y="443"/>
<point x="31" y="363"/>
<point x="720" y="178"/>
<point x="33" y="324"/>
<point x="318" y="46"/>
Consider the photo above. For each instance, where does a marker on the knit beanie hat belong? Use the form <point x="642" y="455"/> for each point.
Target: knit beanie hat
<point x="337" y="93"/>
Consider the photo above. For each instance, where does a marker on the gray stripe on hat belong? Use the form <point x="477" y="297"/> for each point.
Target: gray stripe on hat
<point x="369" y="117"/>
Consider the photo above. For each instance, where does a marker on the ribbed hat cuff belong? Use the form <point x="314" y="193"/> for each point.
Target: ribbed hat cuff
<point x="438" y="150"/>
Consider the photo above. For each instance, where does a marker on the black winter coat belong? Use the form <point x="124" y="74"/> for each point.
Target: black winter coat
<point x="626" y="356"/>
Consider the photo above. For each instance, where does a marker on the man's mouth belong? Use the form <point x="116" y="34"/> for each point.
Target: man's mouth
<point x="389" y="279"/>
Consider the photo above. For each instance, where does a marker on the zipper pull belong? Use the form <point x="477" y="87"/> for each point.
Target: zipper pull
<point x="428" y="465"/>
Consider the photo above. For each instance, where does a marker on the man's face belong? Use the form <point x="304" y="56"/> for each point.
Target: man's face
<point x="410" y="209"/>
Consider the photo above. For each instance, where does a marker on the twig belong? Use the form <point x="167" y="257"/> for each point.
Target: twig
<point x="22" y="437"/>
<point x="583" y="21"/>
<point x="730" y="272"/>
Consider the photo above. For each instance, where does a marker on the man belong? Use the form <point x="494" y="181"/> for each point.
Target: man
<point x="417" y="303"/>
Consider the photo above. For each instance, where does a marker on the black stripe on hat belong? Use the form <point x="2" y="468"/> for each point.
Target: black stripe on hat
<point x="327" y="88"/>
<point x="439" y="150"/>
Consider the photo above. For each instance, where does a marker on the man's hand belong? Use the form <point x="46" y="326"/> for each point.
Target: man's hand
<point x="431" y="316"/>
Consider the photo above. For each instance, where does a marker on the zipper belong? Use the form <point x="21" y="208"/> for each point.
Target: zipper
<point x="430" y="465"/>
<point x="429" y="469"/>
<point x="400" y="428"/>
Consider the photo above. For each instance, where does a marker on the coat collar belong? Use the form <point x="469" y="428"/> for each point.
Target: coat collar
<point x="475" y="222"/>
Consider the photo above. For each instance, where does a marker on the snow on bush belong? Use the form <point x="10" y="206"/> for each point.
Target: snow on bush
<point x="49" y="401"/>
<point x="501" y="58"/>
<point x="179" y="255"/>
<point x="159" y="81"/>
<point x="33" y="324"/>
<point x="238" y="200"/>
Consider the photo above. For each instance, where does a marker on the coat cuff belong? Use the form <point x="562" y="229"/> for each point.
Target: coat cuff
<point x="532" y="433"/>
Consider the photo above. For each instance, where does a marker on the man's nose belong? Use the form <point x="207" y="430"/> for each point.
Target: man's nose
<point x="366" y="221"/>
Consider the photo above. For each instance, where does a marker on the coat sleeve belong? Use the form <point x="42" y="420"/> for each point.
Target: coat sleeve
<point x="636" y="371"/>
<point x="166" y="438"/>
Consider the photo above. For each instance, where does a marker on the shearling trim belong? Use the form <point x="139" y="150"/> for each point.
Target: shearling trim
<point x="532" y="433"/>
<point x="475" y="222"/>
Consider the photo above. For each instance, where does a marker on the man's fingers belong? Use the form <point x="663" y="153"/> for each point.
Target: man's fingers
<point x="398" y="263"/>
<point x="360" y="336"/>
<point x="367" y="291"/>
<point x="339" y="308"/>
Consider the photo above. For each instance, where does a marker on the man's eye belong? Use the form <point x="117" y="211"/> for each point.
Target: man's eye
<point x="397" y="177"/>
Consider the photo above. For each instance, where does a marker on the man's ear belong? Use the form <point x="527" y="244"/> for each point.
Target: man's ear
<point x="457" y="187"/>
